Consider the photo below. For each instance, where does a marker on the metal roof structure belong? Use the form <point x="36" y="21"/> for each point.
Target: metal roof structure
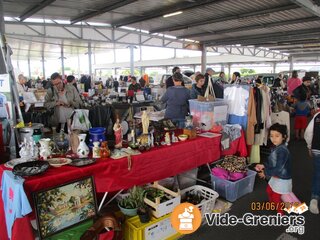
<point x="247" y="27"/>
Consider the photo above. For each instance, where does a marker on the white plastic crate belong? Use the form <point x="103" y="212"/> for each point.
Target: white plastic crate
<point x="208" y="114"/>
<point x="231" y="191"/>
<point x="161" y="209"/>
<point x="210" y="196"/>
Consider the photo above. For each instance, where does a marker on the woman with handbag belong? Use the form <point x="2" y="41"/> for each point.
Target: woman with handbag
<point x="62" y="99"/>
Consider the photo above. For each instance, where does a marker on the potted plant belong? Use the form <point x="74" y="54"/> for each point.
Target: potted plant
<point x="130" y="204"/>
<point x="144" y="213"/>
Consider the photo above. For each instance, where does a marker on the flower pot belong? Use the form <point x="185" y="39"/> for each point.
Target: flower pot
<point x="144" y="216"/>
<point x="128" y="212"/>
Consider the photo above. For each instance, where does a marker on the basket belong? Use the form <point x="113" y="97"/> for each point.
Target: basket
<point x="161" y="209"/>
<point x="156" y="229"/>
<point x="210" y="196"/>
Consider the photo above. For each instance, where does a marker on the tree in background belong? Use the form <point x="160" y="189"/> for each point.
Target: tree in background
<point x="247" y="71"/>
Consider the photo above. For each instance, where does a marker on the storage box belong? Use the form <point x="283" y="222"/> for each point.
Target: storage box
<point x="160" y="209"/>
<point x="156" y="229"/>
<point x="210" y="196"/>
<point x="231" y="191"/>
<point x="208" y="114"/>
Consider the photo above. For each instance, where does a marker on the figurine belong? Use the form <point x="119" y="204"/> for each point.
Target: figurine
<point x="145" y="122"/>
<point x="152" y="138"/>
<point x="167" y="138"/>
<point x="174" y="139"/>
<point x="189" y="124"/>
<point x="96" y="150"/>
<point x="104" y="150"/>
<point x="25" y="149"/>
<point x="117" y="128"/>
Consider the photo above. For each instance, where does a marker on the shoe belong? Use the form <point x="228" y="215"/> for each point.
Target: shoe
<point x="314" y="206"/>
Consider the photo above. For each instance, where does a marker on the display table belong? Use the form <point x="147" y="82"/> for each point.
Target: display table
<point x="113" y="175"/>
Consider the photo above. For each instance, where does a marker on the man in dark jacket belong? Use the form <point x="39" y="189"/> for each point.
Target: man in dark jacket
<point x="207" y="76"/>
<point x="169" y="81"/>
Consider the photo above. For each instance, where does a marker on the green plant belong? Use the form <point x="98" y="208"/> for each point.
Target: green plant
<point x="135" y="199"/>
<point x="153" y="193"/>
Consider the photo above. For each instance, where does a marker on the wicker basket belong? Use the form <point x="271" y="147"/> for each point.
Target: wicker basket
<point x="210" y="196"/>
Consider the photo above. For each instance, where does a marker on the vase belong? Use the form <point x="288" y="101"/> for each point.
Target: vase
<point x="45" y="149"/>
<point x="96" y="150"/>
<point x="83" y="149"/>
<point x="104" y="150"/>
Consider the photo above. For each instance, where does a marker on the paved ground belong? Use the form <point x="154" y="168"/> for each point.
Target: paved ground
<point x="302" y="169"/>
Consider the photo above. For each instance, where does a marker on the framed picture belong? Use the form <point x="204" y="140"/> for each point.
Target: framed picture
<point x="64" y="206"/>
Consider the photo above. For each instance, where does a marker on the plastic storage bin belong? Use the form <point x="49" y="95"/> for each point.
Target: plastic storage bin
<point x="156" y="229"/>
<point x="208" y="114"/>
<point x="231" y="191"/>
<point x="210" y="196"/>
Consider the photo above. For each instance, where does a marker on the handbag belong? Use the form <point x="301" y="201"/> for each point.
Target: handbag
<point x="80" y="120"/>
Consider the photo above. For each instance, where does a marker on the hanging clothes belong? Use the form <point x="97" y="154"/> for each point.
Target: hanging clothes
<point x="262" y="137"/>
<point x="258" y="103"/>
<point x="282" y="118"/>
<point x="252" y="118"/>
<point x="238" y="97"/>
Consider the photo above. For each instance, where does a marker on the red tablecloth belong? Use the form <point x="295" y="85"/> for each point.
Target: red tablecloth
<point x="112" y="175"/>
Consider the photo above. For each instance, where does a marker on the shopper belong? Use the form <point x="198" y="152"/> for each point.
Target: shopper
<point x="208" y="76"/>
<point x="302" y="109"/>
<point x="303" y="89"/>
<point x="235" y="78"/>
<point x="63" y="99"/>
<point x="312" y="137"/>
<point x="293" y="83"/>
<point x="278" y="82"/>
<point x="71" y="80"/>
<point x="277" y="169"/>
<point x="169" y="81"/>
<point x="21" y="84"/>
<point x="197" y="88"/>
<point x="134" y="85"/>
<point x="176" y="98"/>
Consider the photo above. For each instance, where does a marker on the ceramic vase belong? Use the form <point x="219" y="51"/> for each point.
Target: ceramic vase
<point x="45" y="149"/>
<point x="83" y="149"/>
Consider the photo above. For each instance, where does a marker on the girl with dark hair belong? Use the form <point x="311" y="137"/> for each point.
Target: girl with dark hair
<point x="277" y="170"/>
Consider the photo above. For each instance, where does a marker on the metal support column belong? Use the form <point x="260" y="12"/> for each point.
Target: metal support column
<point x="90" y="60"/>
<point x="274" y="67"/>
<point x="43" y="66"/>
<point x="291" y="63"/>
<point x="204" y="59"/>
<point x="3" y="68"/>
<point x="62" y="61"/>
<point x="229" y="71"/>
<point x="131" y="47"/>
<point x="78" y="64"/>
<point x="29" y="68"/>
<point x="222" y="67"/>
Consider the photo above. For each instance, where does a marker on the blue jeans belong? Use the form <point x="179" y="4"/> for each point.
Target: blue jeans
<point x="315" y="190"/>
<point x="179" y="122"/>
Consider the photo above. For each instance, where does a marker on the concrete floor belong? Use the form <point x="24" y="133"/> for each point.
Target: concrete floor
<point x="302" y="172"/>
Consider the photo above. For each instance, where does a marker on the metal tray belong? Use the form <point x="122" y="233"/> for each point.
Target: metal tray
<point x="80" y="162"/>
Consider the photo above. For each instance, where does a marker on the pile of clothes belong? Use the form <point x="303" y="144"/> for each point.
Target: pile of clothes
<point x="232" y="168"/>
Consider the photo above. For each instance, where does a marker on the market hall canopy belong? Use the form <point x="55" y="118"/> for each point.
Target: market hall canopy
<point x="285" y="26"/>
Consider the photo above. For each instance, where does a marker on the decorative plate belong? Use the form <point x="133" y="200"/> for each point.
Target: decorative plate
<point x="30" y="168"/>
<point x="13" y="162"/>
<point x="79" y="162"/>
<point x="58" y="162"/>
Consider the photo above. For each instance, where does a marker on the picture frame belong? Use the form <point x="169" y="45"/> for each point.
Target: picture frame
<point x="64" y="206"/>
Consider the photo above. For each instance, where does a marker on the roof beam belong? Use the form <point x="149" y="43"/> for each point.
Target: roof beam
<point x="102" y="9"/>
<point x="181" y="6"/>
<point x="253" y="27"/>
<point x="35" y="8"/>
<point x="312" y="33"/>
<point x="223" y="19"/>
<point x="309" y="6"/>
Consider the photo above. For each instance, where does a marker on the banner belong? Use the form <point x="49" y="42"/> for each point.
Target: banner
<point x="4" y="83"/>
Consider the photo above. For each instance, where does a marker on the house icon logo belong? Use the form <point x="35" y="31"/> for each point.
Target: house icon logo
<point x="186" y="218"/>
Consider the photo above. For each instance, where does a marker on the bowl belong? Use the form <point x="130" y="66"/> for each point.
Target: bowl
<point x="183" y="137"/>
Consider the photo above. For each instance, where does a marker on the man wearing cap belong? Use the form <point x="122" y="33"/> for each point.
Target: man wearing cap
<point x="63" y="99"/>
<point x="207" y="76"/>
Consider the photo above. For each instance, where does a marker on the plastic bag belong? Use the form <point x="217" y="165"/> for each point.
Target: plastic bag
<point x="80" y="120"/>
